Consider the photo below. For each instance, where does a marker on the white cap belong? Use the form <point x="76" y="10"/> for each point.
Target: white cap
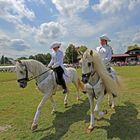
<point x="54" y="45"/>
<point x="104" y="37"/>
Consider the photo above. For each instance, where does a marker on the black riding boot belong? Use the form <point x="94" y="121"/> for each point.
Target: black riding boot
<point x="60" y="80"/>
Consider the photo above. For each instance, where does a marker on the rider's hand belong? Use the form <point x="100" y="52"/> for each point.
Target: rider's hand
<point x="50" y="67"/>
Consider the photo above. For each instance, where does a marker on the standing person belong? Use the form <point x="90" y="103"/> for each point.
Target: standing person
<point x="57" y="64"/>
<point x="105" y="51"/>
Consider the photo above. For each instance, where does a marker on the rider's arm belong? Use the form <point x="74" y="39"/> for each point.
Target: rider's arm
<point x="108" y="55"/>
<point x="51" y="62"/>
<point x="59" y="61"/>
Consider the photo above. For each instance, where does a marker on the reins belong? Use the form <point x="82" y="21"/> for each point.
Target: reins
<point x="91" y="74"/>
<point x="32" y="78"/>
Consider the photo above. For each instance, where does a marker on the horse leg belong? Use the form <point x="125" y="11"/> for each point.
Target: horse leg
<point x="37" y="114"/>
<point x="53" y="105"/>
<point x="96" y="109"/>
<point x="111" y="100"/>
<point x="66" y="99"/>
<point x="91" y="126"/>
<point x="77" y="88"/>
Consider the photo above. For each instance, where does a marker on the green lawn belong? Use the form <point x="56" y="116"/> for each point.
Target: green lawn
<point x="17" y="108"/>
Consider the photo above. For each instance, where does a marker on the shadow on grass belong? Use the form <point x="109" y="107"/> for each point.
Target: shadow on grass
<point x="124" y="123"/>
<point x="63" y="120"/>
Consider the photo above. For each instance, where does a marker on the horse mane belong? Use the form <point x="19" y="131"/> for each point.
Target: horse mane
<point x="35" y="65"/>
<point x="110" y="84"/>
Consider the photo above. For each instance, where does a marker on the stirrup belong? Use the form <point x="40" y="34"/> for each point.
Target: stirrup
<point x="65" y="91"/>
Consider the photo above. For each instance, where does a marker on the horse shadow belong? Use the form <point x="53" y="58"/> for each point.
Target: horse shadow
<point x="124" y="123"/>
<point x="63" y="120"/>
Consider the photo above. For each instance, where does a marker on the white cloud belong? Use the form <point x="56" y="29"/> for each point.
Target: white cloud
<point x="19" y="45"/>
<point x="50" y="31"/>
<point x="13" y="47"/>
<point x="4" y="41"/>
<point x="136" y="38"/>
<point x="133" y="4"/>
<point x="112" y="6"/>
<point x="25" y="31"/>
<point x="14" y="10"/>
<point x="13" y="44"/>
<point x="70" y="7"/>
<point x="68" y="25"/>
<point x="124" y="38"/>
<point x="78" y="27"/>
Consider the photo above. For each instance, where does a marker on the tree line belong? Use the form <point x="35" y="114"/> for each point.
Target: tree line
<point x="70" y="57"/>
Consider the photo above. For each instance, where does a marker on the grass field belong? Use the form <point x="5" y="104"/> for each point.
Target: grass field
<point x="17" y="108"/>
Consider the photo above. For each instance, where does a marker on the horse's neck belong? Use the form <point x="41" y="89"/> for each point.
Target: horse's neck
<point x="35" y="68"/>
<point x="94" y="79"/>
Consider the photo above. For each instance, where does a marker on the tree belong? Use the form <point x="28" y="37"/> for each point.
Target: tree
<point x="2" y="61"/>
<point x="5" y="60"/>
<point x="71" y="54"/>
<point x="81" y="48"/>
<point x="22" y="58"/>
<point x="131" y="47"/>
<point x="43" y="58"/>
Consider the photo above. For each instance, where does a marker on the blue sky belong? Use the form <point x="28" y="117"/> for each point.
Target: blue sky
<point x="29" y="27"/>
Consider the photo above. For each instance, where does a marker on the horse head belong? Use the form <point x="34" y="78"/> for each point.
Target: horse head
<point x="87" y="65"/>
<point x="92" y="63"/>
<point x="22" y="74"/>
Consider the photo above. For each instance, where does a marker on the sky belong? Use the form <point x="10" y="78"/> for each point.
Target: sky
<point x="29" y="27"/>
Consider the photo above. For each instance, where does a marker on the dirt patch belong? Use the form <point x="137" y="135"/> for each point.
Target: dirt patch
<point x="5" y="128"/>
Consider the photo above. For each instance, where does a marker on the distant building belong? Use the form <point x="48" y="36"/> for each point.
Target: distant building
<point x="131" y="57"/>
<point x="135" y="55"/>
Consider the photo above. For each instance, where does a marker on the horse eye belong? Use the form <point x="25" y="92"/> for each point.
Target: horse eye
<point x="89" y="64"/>
<point x="21" y="72"/>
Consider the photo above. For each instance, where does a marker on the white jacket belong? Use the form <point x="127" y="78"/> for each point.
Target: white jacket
<point x="57" y="60"/>
<point x="106" y="53"/>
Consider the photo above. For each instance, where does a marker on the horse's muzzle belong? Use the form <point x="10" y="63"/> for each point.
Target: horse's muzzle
<point x="22" y="83"/>
<point x="85" y="78"/>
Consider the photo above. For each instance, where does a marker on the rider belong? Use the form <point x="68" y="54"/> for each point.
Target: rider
<point x="56" y="64"/>
<point x="105" y="51"/>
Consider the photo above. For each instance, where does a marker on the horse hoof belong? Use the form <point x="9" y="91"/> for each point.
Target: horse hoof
<point x="84" y="92"/>
<point x="112" y="107"/>
<point x="78" y="98"/>
<point x="66" y="105"/>
<point x="89" y="130"/>
<point x="34" y="127"/>
<point x="105" y="111"/>
<point x="53" y="112"/>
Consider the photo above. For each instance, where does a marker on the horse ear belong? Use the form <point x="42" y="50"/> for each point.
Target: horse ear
<point x="91" y="52"/>
<point x="19" y="61"/>
<point x="79" y="57"/>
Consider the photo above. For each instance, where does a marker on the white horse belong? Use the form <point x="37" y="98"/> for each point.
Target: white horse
<point x="97" y="81"/>
<point x="45" y="81"/>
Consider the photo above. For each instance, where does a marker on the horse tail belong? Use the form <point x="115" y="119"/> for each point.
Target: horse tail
<point x="118" y="81"/>
<point x="117" y="78"/>
<point x="80" y="84"/>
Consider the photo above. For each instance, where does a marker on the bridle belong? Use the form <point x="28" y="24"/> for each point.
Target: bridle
<point x="89" y="75"/>
<point x="27" y="79"/>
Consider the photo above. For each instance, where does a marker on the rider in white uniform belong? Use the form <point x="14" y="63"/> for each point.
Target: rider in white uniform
<point x="105" y="51"/>
<point x="56" y="64"/>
